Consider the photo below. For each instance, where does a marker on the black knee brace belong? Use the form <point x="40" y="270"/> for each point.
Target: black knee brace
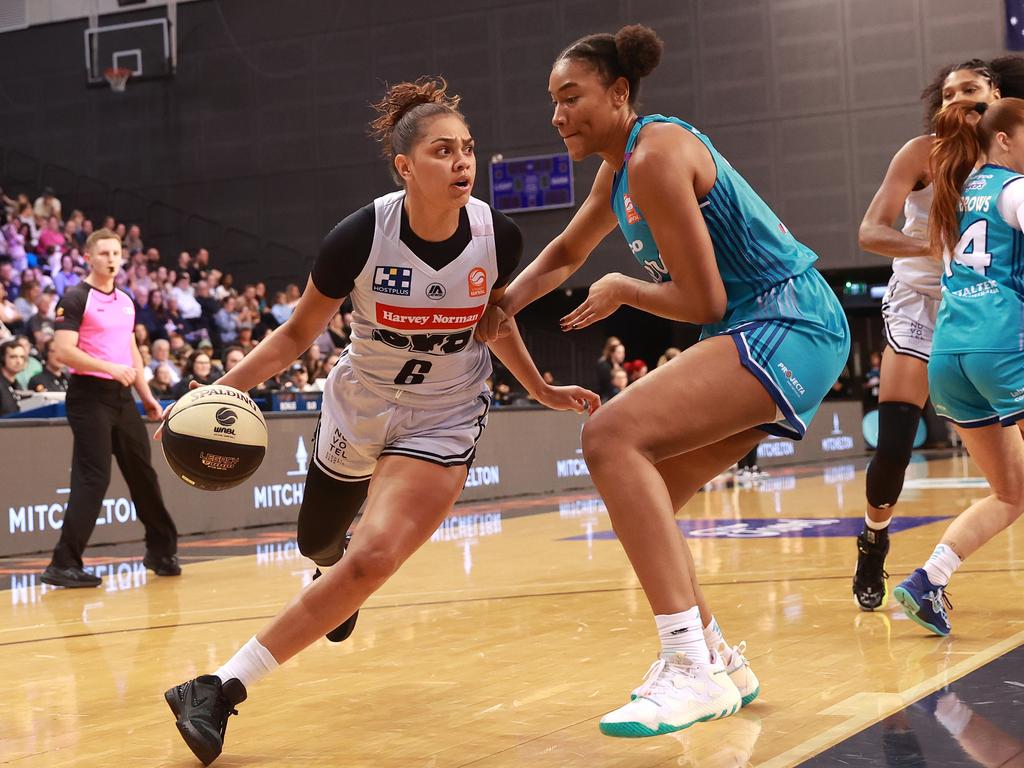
<point x="897" y="428"/>
<point x="328" y="508"/>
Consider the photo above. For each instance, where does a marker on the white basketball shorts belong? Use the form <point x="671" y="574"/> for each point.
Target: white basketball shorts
<point x="356" y="427"/>
<point x="909" y="320"/>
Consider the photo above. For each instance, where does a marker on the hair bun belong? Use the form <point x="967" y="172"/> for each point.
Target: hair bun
<point x="638" y="49"/>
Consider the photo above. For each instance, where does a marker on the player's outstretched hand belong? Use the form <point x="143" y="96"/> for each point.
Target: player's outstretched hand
<point x="167" y="411"/>
<point x="604" y="298"/>
<point x="568" y="399"/>
<point x="494" y="325"/>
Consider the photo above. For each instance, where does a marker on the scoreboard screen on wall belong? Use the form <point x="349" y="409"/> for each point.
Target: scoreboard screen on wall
<point x="533" y="183"/>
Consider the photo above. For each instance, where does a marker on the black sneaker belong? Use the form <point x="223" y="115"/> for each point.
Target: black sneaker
<point x="69" y="577"/>
<point x="162" y="565"/>
<point x="870" y="581"/>
<point x="202" y="707"/>
<point x="343" y="630"/>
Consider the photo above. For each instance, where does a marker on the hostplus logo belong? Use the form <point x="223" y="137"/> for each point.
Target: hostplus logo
<point x="396" y="281"/>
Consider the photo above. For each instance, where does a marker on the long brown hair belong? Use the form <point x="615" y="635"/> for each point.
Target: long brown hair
<point x="959" y="144"/>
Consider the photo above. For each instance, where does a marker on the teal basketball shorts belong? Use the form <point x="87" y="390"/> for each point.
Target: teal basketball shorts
<point x="796" y="358"/>
<point x="976" y="389"/>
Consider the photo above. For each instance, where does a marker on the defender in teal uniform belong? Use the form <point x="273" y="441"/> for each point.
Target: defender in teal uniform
<point x="788" y="326"/>
<point x="976" y="372"/>
<point x="774" y="341"/>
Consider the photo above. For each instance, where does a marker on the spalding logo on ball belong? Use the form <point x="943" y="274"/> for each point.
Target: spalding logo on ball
<point x="214" y="437"/>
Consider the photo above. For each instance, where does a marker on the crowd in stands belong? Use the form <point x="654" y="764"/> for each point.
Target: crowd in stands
<point x="615" y="373"/>
<point x="192" y="321"/>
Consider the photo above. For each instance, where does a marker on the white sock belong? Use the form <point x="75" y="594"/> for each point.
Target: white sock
<point x="953" y="714"/>
<point x="682" y="632"/>
<point x="876" y="526"/>
<point x="713" y="635"/>
<point x="249" y="665"/>
<point x="942" y="565"/>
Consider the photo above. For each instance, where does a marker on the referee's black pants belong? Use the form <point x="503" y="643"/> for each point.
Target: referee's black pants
<point x="104" y="422"/>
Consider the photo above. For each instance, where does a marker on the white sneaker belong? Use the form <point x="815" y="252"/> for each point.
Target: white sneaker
<point x="739" y="671"/>
<point x="675" y="694"/>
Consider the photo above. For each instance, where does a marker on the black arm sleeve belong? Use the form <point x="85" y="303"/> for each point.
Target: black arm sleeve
<point x="344" y="254"/>
<point x="508" y="246"/>
<point x="71" y="308"/>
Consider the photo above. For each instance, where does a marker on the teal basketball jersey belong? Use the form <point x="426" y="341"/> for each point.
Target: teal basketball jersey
<point x="983" y="282"/>
<point x="754" y="250"/>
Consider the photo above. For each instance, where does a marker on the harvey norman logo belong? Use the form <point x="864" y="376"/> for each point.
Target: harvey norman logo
<point x="413" y="318"/>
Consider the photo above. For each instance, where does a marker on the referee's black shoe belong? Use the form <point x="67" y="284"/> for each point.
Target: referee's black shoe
<point x="162" y="565"/>
<point x="201" y="708"/>
<point x="343" y="630"/>
<point x="69" y="577"/>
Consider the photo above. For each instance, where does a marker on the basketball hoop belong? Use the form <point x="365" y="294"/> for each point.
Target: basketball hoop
<point x="117" y="77"/>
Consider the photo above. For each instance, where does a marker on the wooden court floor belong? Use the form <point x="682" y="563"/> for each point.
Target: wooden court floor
<point x="503" y="641"/>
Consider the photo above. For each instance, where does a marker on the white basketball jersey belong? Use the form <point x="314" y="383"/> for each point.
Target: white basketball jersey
<point x="412" y="326"/>
<point x="921" y="273"/>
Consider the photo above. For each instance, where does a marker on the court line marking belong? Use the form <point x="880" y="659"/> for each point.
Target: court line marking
<point x="458" y="601"/>
<point x="856" y="723"/>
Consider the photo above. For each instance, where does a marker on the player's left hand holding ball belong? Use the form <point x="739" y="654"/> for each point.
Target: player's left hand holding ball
<point x="567" y="399"/>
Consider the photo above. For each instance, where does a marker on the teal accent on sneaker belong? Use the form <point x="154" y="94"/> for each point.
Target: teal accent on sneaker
<point x="913" y="609"/>
<point x="750" y="697"/>
<point x="634" y="730"/>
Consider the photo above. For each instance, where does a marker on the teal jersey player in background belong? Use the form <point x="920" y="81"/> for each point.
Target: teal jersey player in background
<point x="976" y="372"/>
<point x="774" y="341"/>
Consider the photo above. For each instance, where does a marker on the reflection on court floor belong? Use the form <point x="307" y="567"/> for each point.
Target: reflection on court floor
<point x="516" y="627"/>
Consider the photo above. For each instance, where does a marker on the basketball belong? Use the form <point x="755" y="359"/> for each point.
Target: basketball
<point x="214" y="438"/>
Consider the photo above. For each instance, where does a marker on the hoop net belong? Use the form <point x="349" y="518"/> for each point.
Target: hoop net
<point x="117" y="77"/>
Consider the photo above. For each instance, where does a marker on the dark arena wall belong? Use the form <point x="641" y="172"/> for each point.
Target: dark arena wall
<point x="262" y="129"/>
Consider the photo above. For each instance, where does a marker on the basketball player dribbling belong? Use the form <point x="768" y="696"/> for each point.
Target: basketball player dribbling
<point x="406" y="404"/>
<point x="909" y="308"/>
<point x="774" y="337"/>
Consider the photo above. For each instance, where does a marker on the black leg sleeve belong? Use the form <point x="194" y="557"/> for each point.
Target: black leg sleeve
<point x="328" y="508"/>
<point x="134" y="457"/>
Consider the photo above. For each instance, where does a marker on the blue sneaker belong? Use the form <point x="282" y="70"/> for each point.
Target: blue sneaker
<point x="924" y="602"/>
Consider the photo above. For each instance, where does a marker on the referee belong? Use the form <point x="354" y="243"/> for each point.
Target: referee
<point x="95" y="338"/>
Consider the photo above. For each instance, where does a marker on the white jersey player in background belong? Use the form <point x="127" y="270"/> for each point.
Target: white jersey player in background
<point x="909" y="308"/>
<point x="404" y="407"/>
